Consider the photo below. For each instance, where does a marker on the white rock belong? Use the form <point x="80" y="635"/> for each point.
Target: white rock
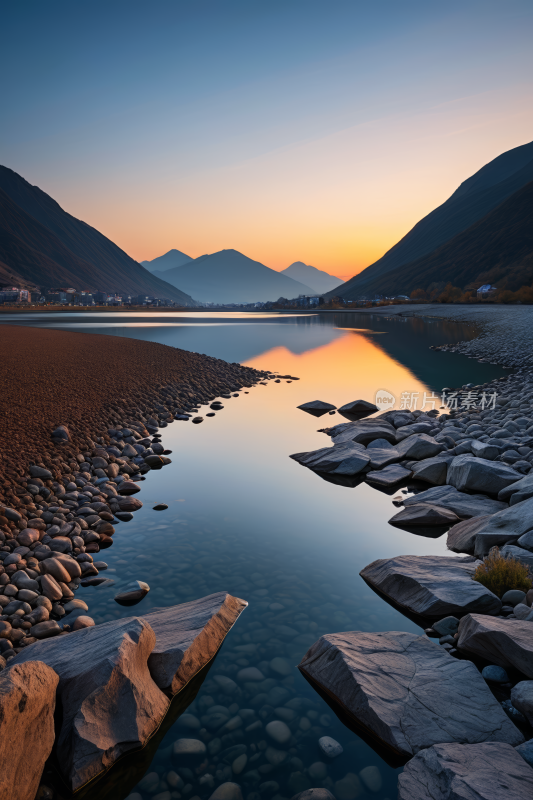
<point x="330" y="747"/>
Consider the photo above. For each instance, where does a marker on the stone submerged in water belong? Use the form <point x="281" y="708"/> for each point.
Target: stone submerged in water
<point x="406" y="691"/>
<point x="132" y="594"/>
<point x="488" y="771"/>
<point x="505" y="642"/>
<point x="27" y="703"/>
<point x="431" y="586"/>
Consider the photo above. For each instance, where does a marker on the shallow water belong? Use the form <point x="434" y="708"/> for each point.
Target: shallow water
<point x="245" y="518"/>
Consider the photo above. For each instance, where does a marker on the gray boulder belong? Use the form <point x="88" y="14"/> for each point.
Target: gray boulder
<point x="512" y="551"/>
<point x="526" y="751"/>
<point x="314" y="794"/>
<point x="522" y="699"/>
<point x="363" y="432"/>
<point x="523" y="485"/>
<point x="505" y="526"/>
<point x="109" y="702"/>
<point x="317" y="407"/>
<point x="27" y="704"/>
<point x="348" y="458"/>
<point x="477" y="475"/>
<point x="464" y="505"/>
<point x="431" y="470"/>
<point x="462" y="537"/>
<point x="418" y="446"/>
<point x="481" y="450"/>
<point x="389" y="476"/>
<point x="358" y="407"/>
<point x="406" y="690"/>
<point x="487" y="771"/>
<point x="382" y="456"/>
<point x="505" y="642"/>
<point x="188" y="636"/>
<point x="526" y="541"/>
<point x="431" y="586"/>
<point x="423" y="515"/>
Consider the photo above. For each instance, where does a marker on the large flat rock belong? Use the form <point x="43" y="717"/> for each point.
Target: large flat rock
<point x="348" y="458"/>
<point x="407" y="691"/>
<point x="478" y="475"/>
<point x="389" y="476"/>
<point x="462" y="504"/>
<point x="363" y="432"/>
<point x="462" y="537"/>
<point x="486" y="771"/>
<point x="27" y="704"/>
<point x="109" y="702"/>
<point x="432" y="586"/>
<point x="505" y="526"/>
<point x="506" y="642"/>
<point x="422" y="515"/>
<point x="188" y="636"/>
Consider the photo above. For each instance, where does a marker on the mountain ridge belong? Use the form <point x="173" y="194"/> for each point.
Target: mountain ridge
<point x="319" y="280"/>
<point x="229" y="276"/>
<point x="472" y="200"/>
<point x="45" y="244"/>
<point x="174" y="258"/>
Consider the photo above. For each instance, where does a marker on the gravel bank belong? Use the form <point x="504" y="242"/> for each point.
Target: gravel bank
<point x="79" y="427"/>
<point x="505" y="332"/>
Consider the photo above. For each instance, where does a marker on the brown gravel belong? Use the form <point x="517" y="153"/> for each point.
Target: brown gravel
<point x="89" y="382"/>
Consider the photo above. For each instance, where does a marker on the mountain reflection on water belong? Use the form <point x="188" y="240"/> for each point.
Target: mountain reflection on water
<point x="245" y="518"/>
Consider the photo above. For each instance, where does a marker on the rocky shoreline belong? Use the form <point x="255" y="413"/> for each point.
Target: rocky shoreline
<point x="469" y="471"/>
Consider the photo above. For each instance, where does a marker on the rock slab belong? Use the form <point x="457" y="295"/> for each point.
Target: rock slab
<point x="188" y="636"/>
<point x="406" y="691"/>
<point x="464" y="505"/>
<point x="487" y="771"/>
<point x="432" y="586"/>
<point x="109" y="702"/>
<point x="505" y="642"/>
<point x="27" y="704"/>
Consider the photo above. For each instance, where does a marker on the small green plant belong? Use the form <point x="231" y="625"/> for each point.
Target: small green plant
<point x="499" y="574"/>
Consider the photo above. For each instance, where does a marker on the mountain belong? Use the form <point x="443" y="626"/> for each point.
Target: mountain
<point x="497" y="249"/>
<point x="230" y="277"/>
<point x="43" y="244"/>
<point x="474" y="198"/>
<point x="174" y="258"/>
<point x="320" y="281"/>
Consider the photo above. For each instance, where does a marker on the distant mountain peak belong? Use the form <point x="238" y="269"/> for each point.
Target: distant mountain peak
<point x="321" y="281"/>
<point x="174" y="258"/>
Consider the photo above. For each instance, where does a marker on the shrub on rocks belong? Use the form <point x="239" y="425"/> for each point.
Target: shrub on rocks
<point x="500" y="574"/>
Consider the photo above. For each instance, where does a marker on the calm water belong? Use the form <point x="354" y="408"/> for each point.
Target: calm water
<point x="245" y="518"/>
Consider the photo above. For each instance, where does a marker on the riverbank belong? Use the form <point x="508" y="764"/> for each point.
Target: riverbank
<point x="505" y="332"/>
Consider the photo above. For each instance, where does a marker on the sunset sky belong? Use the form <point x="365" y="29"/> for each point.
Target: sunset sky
<point x="313" y="131"/>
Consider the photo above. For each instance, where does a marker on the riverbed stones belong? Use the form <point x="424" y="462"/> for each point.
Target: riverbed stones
<point x="431" y="586"/>
<point x="278" y="731"/>
<point x="27" y="704"/>
<point x="314" y="794"/>
<point x="188" y="636"/>
<point x="431" y="470"/>
<point x="485" y="771"/>
<point x="348" y="458"/>
<point x="462" y="504"/>
<point x="109" y="702"/>
<point x="473" y="474"/>
<point x="462" y="537"/>
<point x="406" y="691"/>
<point x="505" y="642"/>
<point x="423" y="515"/>
<point x="330" y="747"/>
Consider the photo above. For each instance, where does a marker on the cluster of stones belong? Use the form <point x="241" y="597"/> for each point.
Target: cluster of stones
<point x="445" y="714"/>
<point x="64" y="512"/>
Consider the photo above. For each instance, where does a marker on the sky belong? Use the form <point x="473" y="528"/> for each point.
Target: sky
<point x="290" y="130"/>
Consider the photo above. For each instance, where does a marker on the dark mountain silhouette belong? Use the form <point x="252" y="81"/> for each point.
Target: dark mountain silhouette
<point x="174" y="258"/>
<point x="497" y="249"/>
<point x="319" y="280"/>
<point x="43" y="243"/>
<point x="231" y="277"/>
<point x="474" y="198"/>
